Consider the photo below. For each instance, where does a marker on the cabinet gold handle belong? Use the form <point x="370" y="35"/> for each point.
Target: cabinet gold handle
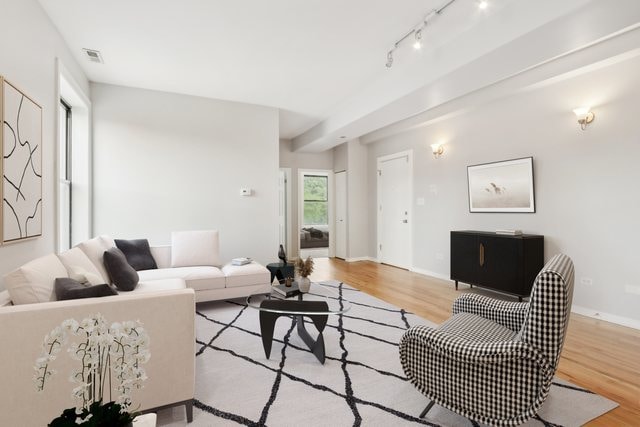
<point x="481" y="255"/>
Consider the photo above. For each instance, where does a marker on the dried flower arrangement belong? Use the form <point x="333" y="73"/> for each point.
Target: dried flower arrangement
<point x="304" y="268"/>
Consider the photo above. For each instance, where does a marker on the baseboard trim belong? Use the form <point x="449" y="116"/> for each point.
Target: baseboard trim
<point x="429" y="273"/>
<point x="361" y="258"/>
<point x="607" y="317"/>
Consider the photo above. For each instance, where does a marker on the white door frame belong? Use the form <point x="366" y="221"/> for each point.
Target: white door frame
<point x="409" y="155"/>
<point x="346" y="208"/>
<point x="288" y="208"/>
<point x="331" y="198"/>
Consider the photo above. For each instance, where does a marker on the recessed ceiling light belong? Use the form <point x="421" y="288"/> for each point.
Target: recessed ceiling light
<point x="94" y="55"/>
<point x="482" y="4"/>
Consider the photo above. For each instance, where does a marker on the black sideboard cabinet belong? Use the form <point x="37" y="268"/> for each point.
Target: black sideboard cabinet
<point x="500" y="262"/>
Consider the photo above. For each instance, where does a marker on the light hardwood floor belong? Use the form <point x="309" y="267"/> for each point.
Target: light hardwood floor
<point x="597" y="355"/>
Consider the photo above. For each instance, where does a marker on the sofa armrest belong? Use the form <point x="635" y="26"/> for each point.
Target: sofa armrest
<point x="162" y="255"/>
<point x="167" y="316"/>
<point x="509" y="314"/>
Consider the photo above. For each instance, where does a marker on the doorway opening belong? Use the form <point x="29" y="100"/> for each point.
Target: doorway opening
<point x="315" y="216"/>
<point x="284" y="209"/>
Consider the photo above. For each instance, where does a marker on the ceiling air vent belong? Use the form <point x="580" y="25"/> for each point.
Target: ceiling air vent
<point x="94" y="55"/>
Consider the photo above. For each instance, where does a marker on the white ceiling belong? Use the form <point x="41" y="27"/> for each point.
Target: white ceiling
<point x="304" y="57"/>
<point x="312" y="59"/>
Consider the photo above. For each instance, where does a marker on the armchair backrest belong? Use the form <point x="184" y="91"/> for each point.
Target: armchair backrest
<point x="545" y="324"/>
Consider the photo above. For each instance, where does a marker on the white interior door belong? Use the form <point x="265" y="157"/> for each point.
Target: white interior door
<point x="341" y="214"/>
<point x="394" y="209"/>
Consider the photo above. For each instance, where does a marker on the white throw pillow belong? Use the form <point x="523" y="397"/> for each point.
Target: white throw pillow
<point x="195" y="248"/>
<point x="33" y="282"/>
<point x="94" y="249"/>
<point x="80" y="267"/>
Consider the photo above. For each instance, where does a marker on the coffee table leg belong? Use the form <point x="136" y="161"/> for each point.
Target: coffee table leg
<point x="316" y="346"/>
<point x="267" y="324"/>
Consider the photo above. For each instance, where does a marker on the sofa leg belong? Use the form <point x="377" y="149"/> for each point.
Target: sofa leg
<point x="427" y="409"/>
<point x="188" y="406"/>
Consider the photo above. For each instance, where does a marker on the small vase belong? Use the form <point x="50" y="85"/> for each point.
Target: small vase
<point x="304" y="284"/>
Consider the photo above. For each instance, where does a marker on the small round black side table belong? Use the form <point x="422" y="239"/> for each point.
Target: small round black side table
<point x="280" y="270"/>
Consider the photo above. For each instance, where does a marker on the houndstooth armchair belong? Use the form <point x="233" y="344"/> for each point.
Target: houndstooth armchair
<point x="493" y="361"/>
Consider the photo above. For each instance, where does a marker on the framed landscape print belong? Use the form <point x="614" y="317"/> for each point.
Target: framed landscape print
<point x="505" y="186"/>
<point x="21" y="167"/>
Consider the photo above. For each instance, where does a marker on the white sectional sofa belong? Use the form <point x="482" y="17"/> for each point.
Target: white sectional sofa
<point x="167" y="316"/>
<point x="210" y="282"/>
<point x="163" y="300"/>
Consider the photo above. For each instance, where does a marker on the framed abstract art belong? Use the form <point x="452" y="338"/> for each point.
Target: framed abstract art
<point x="21" y="167"/>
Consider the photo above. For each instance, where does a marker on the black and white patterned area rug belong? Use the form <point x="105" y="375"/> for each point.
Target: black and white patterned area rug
<point x="361" y="382"/>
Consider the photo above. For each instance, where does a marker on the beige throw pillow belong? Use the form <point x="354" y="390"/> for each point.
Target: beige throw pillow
<point x="34" y="281"/>
<point x="195" y="248"/>
<point x="80" y="268"/>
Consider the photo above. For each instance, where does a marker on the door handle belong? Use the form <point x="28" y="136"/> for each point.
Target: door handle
<point x="404" y="221"/>
<point x="481" y="255"/>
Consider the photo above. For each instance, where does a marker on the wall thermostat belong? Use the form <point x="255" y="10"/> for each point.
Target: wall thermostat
<point x="246" y="191"/>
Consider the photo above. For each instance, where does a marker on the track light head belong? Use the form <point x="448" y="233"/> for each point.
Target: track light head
<point x="417" y="44"/>
<point x="389" y="63"/>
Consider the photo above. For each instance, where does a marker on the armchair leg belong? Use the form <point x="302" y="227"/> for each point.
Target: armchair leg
<point x="427" y="409"/>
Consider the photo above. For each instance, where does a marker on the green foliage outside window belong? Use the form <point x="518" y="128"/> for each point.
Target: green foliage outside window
<point x="316" y="206"/>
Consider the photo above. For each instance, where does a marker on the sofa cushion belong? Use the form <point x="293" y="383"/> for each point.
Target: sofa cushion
<point x="33" y="282"/>
<point x="138" y="253"/>
<point x="94" y="250"/>
<point x="245" y="275"/>
<point x="121" y="273"/>
<point x="198" y="278"/>
<point x="195" y="248"/>
<point x="158" y="285"/>
<point x="67" y="288"/>
<point x="79" y="267"/>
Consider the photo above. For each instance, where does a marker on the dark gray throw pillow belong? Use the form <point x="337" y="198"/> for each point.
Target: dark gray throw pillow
<point x="67" y="288"/>
<point x="121" y="273"/>
<point x="138" y="253"/>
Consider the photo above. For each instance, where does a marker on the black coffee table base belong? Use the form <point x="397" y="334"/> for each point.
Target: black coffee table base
<point x="268" y="322"/>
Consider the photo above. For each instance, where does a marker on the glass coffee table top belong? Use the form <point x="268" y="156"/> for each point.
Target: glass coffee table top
<point x="317" y="304"/>
<point x="317" y="292"/>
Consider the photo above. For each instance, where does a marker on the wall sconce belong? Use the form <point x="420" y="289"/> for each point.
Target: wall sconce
<point x="585" y="116"/>
<point x="437" y="149"/>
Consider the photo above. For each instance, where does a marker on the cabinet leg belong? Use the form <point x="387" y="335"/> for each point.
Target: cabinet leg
<point x="520" y="299"/>
<point x="456" y="285"/>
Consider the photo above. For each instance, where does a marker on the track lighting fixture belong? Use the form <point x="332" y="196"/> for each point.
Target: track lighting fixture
<point x="416" y="32"/>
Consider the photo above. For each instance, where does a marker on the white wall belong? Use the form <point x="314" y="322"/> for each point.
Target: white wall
<point x="30" y="45"/>
<point x="586" y="183"/>
<point x="295" y="161"/>
<point x="357" y="202"/>
<point x="352" y="157"/>
<point x="166" y="162"/>
<point x="340" y="157"/>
